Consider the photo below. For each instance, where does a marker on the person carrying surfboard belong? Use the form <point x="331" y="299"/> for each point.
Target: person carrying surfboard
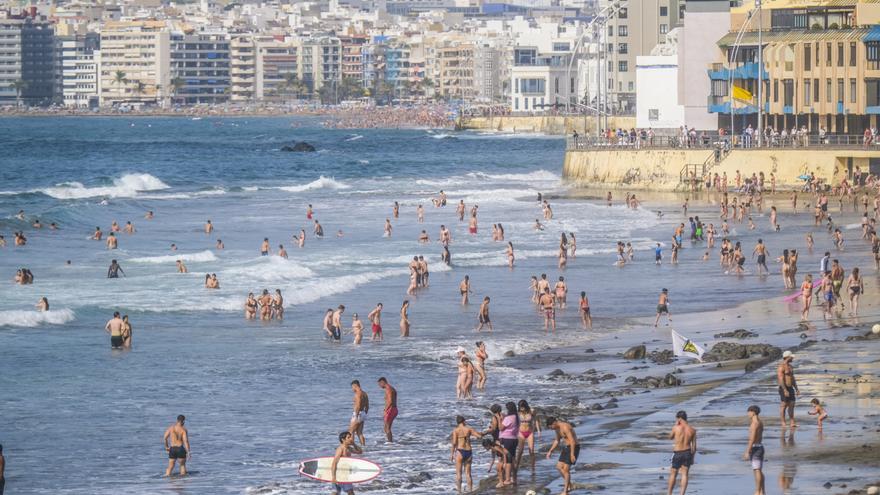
<point x="346" y="448"/>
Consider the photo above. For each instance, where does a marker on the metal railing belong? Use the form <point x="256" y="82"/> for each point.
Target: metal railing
<point x="714" y="141"/>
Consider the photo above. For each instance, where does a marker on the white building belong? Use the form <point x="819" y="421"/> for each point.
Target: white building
<point x="540" y="81"/>
<point x="79" y="70"/>
<point x="656" y="89"/>
<point x="135" y="63"/>
<point x="707" y="21"/>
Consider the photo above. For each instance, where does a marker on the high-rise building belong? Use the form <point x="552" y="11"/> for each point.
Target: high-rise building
<point x="634" y="30"/>
<point x="200" y="68"/>
<point x="455" y="58"/>
<point x="135" y="63"/>
<point x="351" y="67"/>
<point x="242" y="67"/>
<point x="27" y="54"/>
<point x="277" y="73"/>
<point x="78" y="69"/>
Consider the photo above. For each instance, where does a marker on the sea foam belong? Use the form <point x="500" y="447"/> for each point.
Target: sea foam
<point x="30" y="319"/>
<point x="127" y="186"/>
<point x="202" y="256"/>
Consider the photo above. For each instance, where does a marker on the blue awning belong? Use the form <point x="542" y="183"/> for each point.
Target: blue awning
<point x="873" y="34"/>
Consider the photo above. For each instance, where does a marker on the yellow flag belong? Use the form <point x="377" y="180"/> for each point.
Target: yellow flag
<point x="741" y="94"/>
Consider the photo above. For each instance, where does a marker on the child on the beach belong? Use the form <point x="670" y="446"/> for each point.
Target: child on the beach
<point x="818" y="411"/>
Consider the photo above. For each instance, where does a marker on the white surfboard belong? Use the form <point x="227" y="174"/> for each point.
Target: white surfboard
<point x="348" y="470"/>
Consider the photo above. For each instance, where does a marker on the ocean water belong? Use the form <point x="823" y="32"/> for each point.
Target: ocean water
<point x="261" y="396"/>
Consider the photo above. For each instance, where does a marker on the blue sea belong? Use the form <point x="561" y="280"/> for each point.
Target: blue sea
<point x="261" y="396"/>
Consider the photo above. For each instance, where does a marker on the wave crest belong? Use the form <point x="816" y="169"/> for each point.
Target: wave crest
<point x="199" y="257"/>
<point x="127" y="186"/>
<point x="319" y="183"/>
<point x="30" y="319"/>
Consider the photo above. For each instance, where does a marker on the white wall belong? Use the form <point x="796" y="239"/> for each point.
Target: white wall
<point x="656" y="89"/>
<point x="704" y="25"/>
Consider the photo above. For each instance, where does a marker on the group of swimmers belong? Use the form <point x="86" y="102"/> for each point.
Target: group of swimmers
<point x="270" y="307"/>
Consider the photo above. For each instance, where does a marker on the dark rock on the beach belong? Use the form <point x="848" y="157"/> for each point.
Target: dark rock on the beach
<point x="803" y="335"/>
<point x="868" y="336"/>
<point x="665" y="356"/>
<point x="727" y="351"/>
<point x="613" y="399"/>
<point x="573" y="401"/>
<point x="669" y="380"/>
<point x="509" y="354"/>
<point x="611" y="405"/>
<point x="608" y="376"/>
<point x="596" y="407"/>
<point x="420" y="478"/>
<point x="589" y="351"/>
<point x="302" y="147"/>
<point x="827" y="484"/>
<point x="556" y="373"/>
<point x="741" y="333"/>
<point x="637" y="352"/>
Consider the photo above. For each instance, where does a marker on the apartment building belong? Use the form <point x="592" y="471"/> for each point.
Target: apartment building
<point x="277" y="73"/>
<point x="634" y="30"/>
<point x="541" y="81"/>
<point x="455" y="69"/>
<point x="242" y="67"/>
<point x="321" y="61"/>
<point x="77" y="68"/>
<point x="135" y="63"/>
<point x="491" y="72"/>
<point x="200" y="65"/>
<point x="351" y="67"/>
<point x="821" y="66"/>
<point x="27" y="58"/>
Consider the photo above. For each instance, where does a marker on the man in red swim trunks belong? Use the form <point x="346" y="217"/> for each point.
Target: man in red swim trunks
<point x="390" y="406"/>
<point x="375" y="318"/>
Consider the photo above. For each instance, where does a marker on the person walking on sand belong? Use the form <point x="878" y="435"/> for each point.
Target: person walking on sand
<point x="663" y="307"/>
<point x="462" y="454"/>
<point x="176" y="442"/>
<point x="755" y="449"/>
<point x="568" y="453"/>
<point x="390" y="411"/>
<point x="788" y="388"/>
<point x="483" y="315"/>
<point x="684" y="449"/>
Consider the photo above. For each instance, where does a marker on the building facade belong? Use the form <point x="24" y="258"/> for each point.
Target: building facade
<point x="242" y="68"/>
<point x="27" y="60"/>
<point x="200" y="65"/>
<point x="135" y="63"/>
<point x="78" y="66"/>
<point x="540" y="82"/>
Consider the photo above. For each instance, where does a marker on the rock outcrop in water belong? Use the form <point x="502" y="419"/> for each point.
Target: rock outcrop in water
<point x="669" y="380"/>
<point x="302" y="147"/>
<point x="741" y="333"/>
<point x="728" y="351"/>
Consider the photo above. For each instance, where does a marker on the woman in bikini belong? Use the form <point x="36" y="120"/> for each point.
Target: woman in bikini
<point x="126" y="332"/>
<point x="584" y="306"/>
<point x="533" y="284"/>
<point x="43" y="305"/>
<point x="792" y="267"/>
<point x="807" y="295"/>
<point x="404" y="319"/>
<point x="561" y="291"/>
<point x="572" y="245"/>
<point x="278" y="305"/>
<point x="480" y="365"/>
<point x="856" y="287"/>
<point x="528" y="424"/>
<point x="250" y="307"/>
<point x="510" y="256"/>
<point x="786" y="268"/>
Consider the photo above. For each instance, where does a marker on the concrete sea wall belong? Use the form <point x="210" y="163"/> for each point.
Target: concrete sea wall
<point x="558" y="125"/>
<point x="660" y="170"/>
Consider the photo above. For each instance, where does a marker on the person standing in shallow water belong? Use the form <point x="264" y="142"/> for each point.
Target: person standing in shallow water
<point x="788" y="389"/>
<point x="684" y="449"/>
<point x="176" y="442"/>
<point x="755" y="448"/>
<point x="462" y="454"/>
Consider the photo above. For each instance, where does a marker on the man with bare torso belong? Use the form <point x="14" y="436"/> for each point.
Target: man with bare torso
<point x="569" y="451"/>
<point x="346" y="447"/>
<point x="547" y="304"/>
<point x="114" y="328"/>
<point x="788" y="389"/>
<point x="176" y="442"/>
<point x="755" y="449"/>
<point x="390" y="411"/>
<point x="359" y="414"/>
<point x="684" y="449"/>
<point x="375" y="318"/>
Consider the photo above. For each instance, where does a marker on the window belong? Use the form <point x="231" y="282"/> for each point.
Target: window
<point x="621" y="30"/>
<point x="664" y="28"/>
<point x="787" y="92"/>
<point x="808" y="57"/>
<point x="828" y="90"/>
<point x="572" y="86"/>
<point x="630" y="86"/>
<point x="852" y="91"/>
<point x="816" y="90"/>
<point x="622" y="48"/>
<point x="532" y="86"/>
<point x="610" y="66"/>
<point x="840" y="54"/>
<point x="622" y="66"/>
<point x="828" y="54"/>
<point x="653" y="114"/>
<point x="526" y="103"/>
<point x="776" y="91"/>
<point x="816" y="49"/>
<point x="852" y="54"/>
<point x="610" y="30"/>
<point x="610" y="83"/>
<point x="610" y="47"/>
<point x="556" y="85"/>
<point x="664" y="11"/>
<point x="807" y="91"/>
<point x="622" y="13"/>
<point x="840" y="94"/>
<point x="516" y="103"/>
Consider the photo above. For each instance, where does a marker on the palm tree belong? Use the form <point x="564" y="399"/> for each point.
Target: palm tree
<point x="120" y="78"/>
<point x="139" y="87"/>
<point x="177" y="84"/>
<point x="19" y="85"/>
